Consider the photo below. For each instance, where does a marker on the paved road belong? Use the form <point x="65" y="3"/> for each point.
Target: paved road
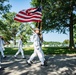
<point x="57" y="65"/>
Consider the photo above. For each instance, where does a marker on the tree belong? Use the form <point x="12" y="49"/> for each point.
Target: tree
<point x="4" y="8"/>
<point x="60" y="17"/>
<point x="74" y="33"/>
<point x="11" y="26"/>
<point x="66" y="41"/>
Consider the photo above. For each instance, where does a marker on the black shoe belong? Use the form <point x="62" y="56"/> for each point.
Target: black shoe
<point x="1" y="69"/>
<point x="29" y="63"/>
<point x="24" y="58"/>
<point x="45" y="64"/>
<point x="15" y="57"/>
<point x="4" y="57"/>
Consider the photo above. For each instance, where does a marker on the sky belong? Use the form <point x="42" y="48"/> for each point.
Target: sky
<point x="18" y="5"/>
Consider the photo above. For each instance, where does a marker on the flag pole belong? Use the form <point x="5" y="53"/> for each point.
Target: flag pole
<point x="41" y="26"/>
<point x="38" y="25"/>
<point x="41" y="21"/>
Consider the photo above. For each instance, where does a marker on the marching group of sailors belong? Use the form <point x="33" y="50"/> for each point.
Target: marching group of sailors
<point x="37" y="39"/>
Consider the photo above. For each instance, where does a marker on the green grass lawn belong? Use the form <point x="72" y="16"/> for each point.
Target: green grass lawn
<point x="47" y="51"/>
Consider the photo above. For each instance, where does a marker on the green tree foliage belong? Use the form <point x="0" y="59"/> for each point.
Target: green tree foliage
<point x="66" y="41"/>
<point x="4" y="8"/>
<point x="11" y="25"/>
<point x="74" y="33"/>
<point x="52" y="43"/>
<point x="58" y="15"/>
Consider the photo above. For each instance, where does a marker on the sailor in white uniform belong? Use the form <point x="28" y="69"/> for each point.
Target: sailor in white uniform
<point x="2" y="47"/>
<point x="37" y="49"/>
<point x="20" y="48"/>
<point x="1" y="50"/>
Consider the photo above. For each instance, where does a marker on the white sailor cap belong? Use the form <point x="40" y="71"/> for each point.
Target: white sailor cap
<point x="36" y="29"/>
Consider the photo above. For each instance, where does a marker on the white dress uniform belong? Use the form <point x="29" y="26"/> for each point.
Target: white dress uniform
<point x="37" y="50"/>
<point x="20" y="49"/>
<point x="3" y="44"/>
<point x="1" y="47"/>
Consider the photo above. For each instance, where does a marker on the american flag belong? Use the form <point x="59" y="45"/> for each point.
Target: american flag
<point x="29" y="15"/>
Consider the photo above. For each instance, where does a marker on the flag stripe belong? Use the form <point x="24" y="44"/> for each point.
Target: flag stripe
<point x="30" y="20"/>
<point x="31" y="10"/>
<point x="38" y="13"/>
<point x="27" y="17"/>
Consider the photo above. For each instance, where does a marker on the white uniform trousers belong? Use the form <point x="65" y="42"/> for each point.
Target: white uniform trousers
<point x="20" y="50"/>
<point x="40" y="55"/>
<point x="2" y="53"/>
<point x="0" y="63"/>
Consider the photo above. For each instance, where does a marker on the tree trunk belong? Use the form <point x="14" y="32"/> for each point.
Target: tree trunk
<point x="71" y="37"/>
<point x="71" y="32"/>
<point x="71" y="26"/>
